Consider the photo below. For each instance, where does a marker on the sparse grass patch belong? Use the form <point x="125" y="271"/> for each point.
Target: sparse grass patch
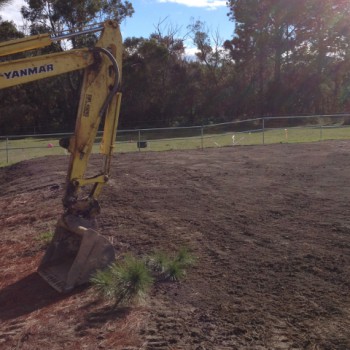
<point x="170" y="267"/>
<point x="174" y="271"/>
<point x="45" y="237"/>
<point x="184" y="257"/>
<point x="129" y="280"/>
<point x="125" y="282"/>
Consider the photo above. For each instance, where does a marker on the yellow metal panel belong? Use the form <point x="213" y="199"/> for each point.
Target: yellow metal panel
<point x="24" y="44"/>
<point x="95" y="89"/>
<point x="110" y="127"/>
<point x="34" y="68"/>
<point x="94" y="92"/>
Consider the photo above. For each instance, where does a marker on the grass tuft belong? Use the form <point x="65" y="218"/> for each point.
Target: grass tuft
<point x="126" y="282"/>
<point x="184" y="257"/>
<point x="129" y="280"/>
<point x="45" y="237"/>
<point x="170" y="267"/>
<point x="102" y="280"/>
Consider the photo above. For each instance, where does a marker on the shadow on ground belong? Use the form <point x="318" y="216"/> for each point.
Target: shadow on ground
<point x="28" y="294"/>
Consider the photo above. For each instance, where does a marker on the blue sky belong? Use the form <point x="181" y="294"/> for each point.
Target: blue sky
<point x="149" y="13"/>
<point x="177" y="13"/>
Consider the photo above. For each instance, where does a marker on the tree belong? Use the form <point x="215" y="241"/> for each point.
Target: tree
<point x="215" y="71"/>
<point x="14" y="99"/>
<point x="3" y="3"/>
<point x="56" y="15"/>
<point x="264" y="37"/>
<point x="152" y="71"/>
<point x="326" y="34"/>
<point x="286" y="53"/>
<point x="58" y="97"/>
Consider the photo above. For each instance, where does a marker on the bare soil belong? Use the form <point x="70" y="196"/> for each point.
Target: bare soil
<point x="269" y="227"/>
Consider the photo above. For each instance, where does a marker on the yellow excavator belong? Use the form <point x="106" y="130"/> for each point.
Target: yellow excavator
<point x="77" y="250"/>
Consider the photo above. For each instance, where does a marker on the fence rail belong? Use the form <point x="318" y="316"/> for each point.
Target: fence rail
<point x="265" y="130"/>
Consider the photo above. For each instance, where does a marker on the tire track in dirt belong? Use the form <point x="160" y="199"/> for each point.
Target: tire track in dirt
<point x="269" y="228"/>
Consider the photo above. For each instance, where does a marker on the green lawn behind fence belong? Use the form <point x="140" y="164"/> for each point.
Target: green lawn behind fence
<point x="15" y="150"/>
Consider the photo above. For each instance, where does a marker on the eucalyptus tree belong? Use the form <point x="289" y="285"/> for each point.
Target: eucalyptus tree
<point x="289" y="54"/>
<point x="264" y="37"/>
<point x="58" y="97"/>
<point x="153" y="71"/>
<point x="13" y="100"/>
<point x="326" y="35"/>
<point x="56" y="15"/>
<point x="215" y="69"/>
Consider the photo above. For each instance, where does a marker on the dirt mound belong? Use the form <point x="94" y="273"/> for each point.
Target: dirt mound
<point x="269" y="227"/>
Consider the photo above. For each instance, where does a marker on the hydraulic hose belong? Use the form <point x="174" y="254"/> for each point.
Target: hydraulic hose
<point x="115" y="87"/>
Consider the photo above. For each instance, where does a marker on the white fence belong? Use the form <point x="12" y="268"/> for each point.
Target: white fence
<point x="267" y="130"/>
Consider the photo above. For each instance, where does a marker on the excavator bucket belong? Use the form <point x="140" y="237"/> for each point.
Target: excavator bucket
<point x="74" y="254"/>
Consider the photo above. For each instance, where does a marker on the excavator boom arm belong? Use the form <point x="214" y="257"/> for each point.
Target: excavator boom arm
<point x="25" y="44"/>
<point x="35" y="68"/>
<point x="41" y="40"/>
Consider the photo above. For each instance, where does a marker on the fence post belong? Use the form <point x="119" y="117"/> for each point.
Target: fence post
<point x="263" y="129"/>
<point x="7" y="150"/>
<point x="202" y="133"/>
<point x="139" y="142"/>
<point x="321" y="133"/>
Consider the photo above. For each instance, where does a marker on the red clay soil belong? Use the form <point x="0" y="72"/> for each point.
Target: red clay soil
<point x="269" y="227"/>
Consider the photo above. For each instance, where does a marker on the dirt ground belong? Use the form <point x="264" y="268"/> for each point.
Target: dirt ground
<point x="269" y="227"/>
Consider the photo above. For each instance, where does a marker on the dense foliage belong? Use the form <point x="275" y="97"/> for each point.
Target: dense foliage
<point x="286" y="57"/>
<point x="292" y="56"/>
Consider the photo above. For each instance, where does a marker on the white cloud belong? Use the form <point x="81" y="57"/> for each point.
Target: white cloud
<point x="190" y="53"/>
<point x="208" y="4"/>
<point x="12" y="12"/>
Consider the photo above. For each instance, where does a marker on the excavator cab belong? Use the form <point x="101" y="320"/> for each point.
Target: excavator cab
<point x="77" y="250"/>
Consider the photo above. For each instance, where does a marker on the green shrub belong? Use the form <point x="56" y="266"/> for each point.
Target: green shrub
<point x="174" y="271"/>
<point x="130" y="279"/>
<point x="158" y="262"/>
<point x="103" y="282"/>
<point x="126" y="282"/>
<point x="184" y="257"/>
<point x="169" y="267"/>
